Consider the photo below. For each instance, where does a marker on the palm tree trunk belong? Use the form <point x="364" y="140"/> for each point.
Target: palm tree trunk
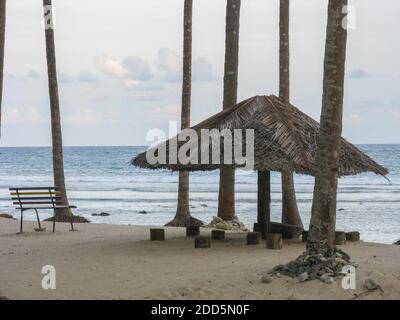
<point x="2" y="43"/>
<point x="290" y="211"/>
<point x="183" y="217"/>
<point x="58" y="166"/>
<point x="323" y="218"/>
<point x="226" y="197"/>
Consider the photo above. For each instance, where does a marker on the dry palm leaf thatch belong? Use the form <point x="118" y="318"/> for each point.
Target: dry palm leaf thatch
<point x="285" y="139"/>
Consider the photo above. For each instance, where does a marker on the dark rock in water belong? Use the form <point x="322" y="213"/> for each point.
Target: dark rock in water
<point x="7" y="216"/>
<point x="204" y="205"/>
<point x="65" y="218"/>
<point x="341" y="209"/>
<point x="142" y="212"/>
<point x="103" y="214"/>
<point x="397" y="242"/>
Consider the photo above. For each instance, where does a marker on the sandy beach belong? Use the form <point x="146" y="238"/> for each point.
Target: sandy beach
<point x="119" y="262"/>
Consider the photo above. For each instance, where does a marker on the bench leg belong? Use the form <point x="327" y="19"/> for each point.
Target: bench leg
<point x="22" y="215"/>
<point x="38" y="220"/>
<point x="54" y="221"/>
<point x="70" y="219"/>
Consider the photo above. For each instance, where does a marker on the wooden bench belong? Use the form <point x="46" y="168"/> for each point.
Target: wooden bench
<point x="39" y="198"/>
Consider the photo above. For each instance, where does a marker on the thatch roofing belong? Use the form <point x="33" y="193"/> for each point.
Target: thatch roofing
<point x="285" y="139"/>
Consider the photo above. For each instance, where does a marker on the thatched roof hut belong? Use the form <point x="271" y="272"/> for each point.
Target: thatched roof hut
<point x="285" y="139"/>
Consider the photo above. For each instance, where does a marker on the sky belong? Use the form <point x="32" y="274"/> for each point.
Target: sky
<point x="119" y="67"/>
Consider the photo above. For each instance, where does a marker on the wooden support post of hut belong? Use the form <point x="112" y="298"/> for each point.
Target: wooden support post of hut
<point x="264" y="203"/>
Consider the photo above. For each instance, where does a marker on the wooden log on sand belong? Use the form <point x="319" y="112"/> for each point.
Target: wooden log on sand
<point x="353" y="236"/>
<point x="274" y="241"/>
<point x="253" y="238"/>
<point x="202" y="242"/>
<point x="157" y="234"/>
<point x="340" y="238"/>
<point x="218" y="234"/>
<point x="192" y="231"/>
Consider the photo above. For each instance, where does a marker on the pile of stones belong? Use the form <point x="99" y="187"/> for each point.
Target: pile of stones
<point x="310" y="267"/>
<point x="234" y="225"/>
<point x="66" y="218"/>
<point x="7" y="216"/>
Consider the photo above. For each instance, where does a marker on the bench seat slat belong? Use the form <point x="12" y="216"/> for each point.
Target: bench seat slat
<point x="57" y="193"/>
<point x="56" y="198"/>
<point x="37" y="202"/>
<point x="46" y="208"/>
<point x="34" y="188"/>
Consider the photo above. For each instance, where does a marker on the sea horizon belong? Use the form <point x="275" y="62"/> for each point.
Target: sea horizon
<point x="100" y="179"/>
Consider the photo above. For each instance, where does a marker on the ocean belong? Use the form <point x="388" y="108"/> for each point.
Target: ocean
<point x="100" y="179"/>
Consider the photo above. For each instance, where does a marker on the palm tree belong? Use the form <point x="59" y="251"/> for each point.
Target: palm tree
<point x="183" y="217"/>
<point x="226" y="197"/>
<point x="58" y="166"/>
<point x="290" y="211"/>
<point x="2" y="42"/>
<point x="323" y="219"/>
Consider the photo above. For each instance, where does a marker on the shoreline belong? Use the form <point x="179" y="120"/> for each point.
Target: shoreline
<point x="105" y="261"/>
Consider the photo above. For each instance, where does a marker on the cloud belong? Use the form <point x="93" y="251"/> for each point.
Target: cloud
<point x="83" y="77"/>
<point x="202" y="70"/>
<point x="168" y="112"/>
<point x="355" y="119"/>
<point x="29" y="115"/>
<point x="31" y="74"/>
<point x="157" y="80"/>
<point x="395" y="113"/>
<point x="359" y="74"/>
<point x="111" y="66"/>
<point x="86" y="77"/>
<point x="170" y="65"/>
<point x="90" y="116"/>
<point x="137" y="69"/>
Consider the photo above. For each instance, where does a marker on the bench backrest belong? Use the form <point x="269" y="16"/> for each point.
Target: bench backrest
<point x="36" y="197"/>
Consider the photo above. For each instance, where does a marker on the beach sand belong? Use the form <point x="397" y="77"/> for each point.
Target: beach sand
<point x="119" y="262"/>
